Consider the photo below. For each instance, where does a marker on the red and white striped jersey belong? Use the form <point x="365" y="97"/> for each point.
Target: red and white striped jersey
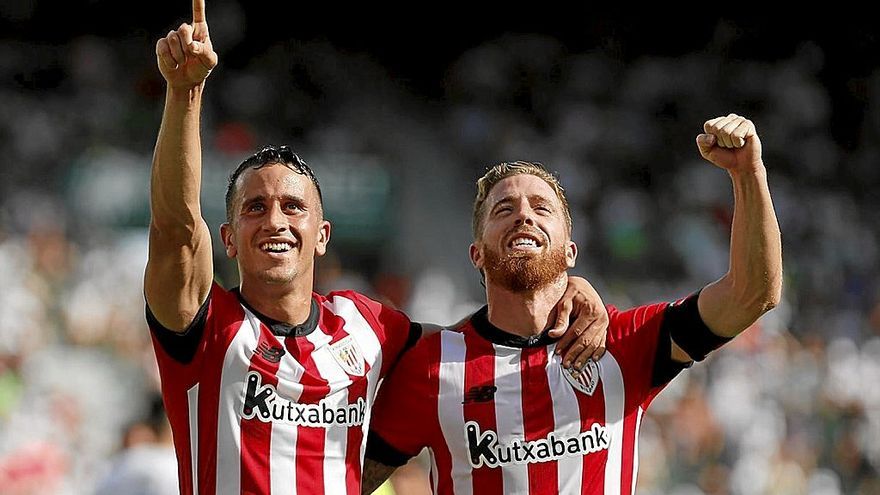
<point x="501" y="415"/>
<point x="261" y="407"/>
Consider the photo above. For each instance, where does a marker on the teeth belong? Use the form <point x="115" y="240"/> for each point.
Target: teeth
<point x="276" y="247"/>
<point x="522" y="241"/>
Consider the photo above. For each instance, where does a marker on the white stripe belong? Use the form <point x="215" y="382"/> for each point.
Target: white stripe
<point x="636" y="449"/>
<point x="450" y="411"/>
<point x="365" y="336"/>
<point x="335" y="438"/>
<point x="360" y="329"/>
<point x="192" y="401"/>
<point x="612" y="385"/>
<point x="232" y="388"/>
<point x="509" y="414"/>
<point x="282" y="446"/>
<point x="567" y="421"/>
<point x="435" y="476"/>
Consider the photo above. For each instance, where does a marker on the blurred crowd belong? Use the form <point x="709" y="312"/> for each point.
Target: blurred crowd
<point x="790" y="407"/>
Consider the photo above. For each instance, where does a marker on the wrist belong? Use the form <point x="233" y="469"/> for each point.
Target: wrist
<point x="754" y="170"/>
<point x="190" y="94"/>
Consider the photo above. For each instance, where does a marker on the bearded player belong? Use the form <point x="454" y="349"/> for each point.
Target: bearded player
<point x="490" y="400"/>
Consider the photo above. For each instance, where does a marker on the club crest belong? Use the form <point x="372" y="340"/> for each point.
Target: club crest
<point x="586" y="380"/>
<point x="347" y="353"/>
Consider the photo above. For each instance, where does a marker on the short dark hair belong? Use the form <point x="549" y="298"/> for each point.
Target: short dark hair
<point x="282" y="155"/>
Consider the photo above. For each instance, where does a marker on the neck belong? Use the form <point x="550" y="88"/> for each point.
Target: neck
<point x="287" y="303"/>
<point x="524" y="313"/>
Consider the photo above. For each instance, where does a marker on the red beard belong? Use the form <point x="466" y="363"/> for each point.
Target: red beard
<point x="524" y="273"/>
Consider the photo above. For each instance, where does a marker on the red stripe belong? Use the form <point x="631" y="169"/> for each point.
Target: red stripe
<point x="592" y="410"/>
<point x="335" y="326"/>
<point x="176" y="404"/>
<point x="310" y="441"/>
<point x="355" y="438"/>
<point x="629" y="439"/>
<point x="442" y="456"/>
<point x="178" y="415"/>
<point x="479" y="371"/>
<point x="256" y="435"/>
<point x="537" y="417"/>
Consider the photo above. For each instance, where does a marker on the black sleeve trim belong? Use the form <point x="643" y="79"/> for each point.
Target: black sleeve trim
<point x="688" y="330"/>
<point x="181" y="346"/>
<point x="415" y="333"/>
<point x="381" y="451"/>
<point x="665" y="368"/>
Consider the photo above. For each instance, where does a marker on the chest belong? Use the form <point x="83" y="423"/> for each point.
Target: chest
<point x="328" y="365"/>
<point x="511" y="396"/>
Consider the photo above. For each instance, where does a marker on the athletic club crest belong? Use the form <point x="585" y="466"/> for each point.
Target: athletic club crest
<point x="585" y="380"/>
<point x="347" y="353"/>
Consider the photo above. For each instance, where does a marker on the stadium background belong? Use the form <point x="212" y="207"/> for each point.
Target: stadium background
<point x="398" y="114"/>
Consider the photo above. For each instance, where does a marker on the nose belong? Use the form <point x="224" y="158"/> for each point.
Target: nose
<point x="276" y="220"/>
<point x="524" y="214"/>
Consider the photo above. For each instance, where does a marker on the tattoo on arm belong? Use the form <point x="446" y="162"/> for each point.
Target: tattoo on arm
<point x="375" y="473"/>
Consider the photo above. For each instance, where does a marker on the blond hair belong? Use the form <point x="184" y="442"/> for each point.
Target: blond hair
<point x="504" y="170"/>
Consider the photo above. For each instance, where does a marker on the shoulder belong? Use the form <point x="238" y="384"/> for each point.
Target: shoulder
<point x="633" y="321"/>
<point x="637" y="315"/>
<point x="347" y="297"/>
<point x="348" y="294"/>
<point x="428" y="349"/>
<point x="384" y="319"/>
<point x="222" y="296"/>
<point x="224" y="304"/>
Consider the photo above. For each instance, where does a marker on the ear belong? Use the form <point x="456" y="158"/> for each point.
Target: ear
<point x="323" y="238"/>
<point x="571" y="254"/>
<point x="227" y="234"/>
<point x="476" y="255"/>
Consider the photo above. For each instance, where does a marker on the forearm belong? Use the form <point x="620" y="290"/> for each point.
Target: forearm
<point x="177" y="163"/>
<point x="375" y="473"/>
<point x="753" y="283"/>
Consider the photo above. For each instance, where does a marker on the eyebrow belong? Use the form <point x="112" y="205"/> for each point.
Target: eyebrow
<point x="533" y="198"/>
<point x="262" y="199"/>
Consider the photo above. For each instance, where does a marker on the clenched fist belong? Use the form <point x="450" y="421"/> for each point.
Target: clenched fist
<point x="731" y="143"/>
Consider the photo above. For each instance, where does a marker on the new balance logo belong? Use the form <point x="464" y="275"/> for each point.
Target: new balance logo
<point x="483" y="393"/>
<point x="272" y="354"/>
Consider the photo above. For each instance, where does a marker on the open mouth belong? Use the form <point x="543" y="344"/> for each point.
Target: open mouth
<point x="524" y="241"/>
<point x="276" y="247"/>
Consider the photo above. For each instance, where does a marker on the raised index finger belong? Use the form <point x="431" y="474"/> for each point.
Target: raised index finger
<point x="198" y="11"/>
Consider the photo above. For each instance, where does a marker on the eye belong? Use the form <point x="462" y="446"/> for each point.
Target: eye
<point x="292" y="206"/>
<point x="255" y="207"/>
<point x="542" y="208"/>
<point x="503" y="209"/>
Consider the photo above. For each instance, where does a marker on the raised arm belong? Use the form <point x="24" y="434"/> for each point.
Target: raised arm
<point x="179" y="269"/>
<point x="753" y="283"/>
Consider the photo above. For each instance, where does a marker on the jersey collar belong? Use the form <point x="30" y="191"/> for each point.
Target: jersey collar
<point x="481" y="323"/>
<point x="281" y="329"/>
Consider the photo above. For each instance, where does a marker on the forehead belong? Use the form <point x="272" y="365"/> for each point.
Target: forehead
<point x="275" y="180"/>
<point x="521" y="185"/>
